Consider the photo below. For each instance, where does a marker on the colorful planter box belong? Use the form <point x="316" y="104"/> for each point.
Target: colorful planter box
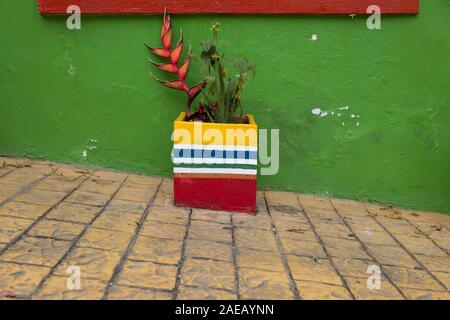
<point x="215" y="165"/>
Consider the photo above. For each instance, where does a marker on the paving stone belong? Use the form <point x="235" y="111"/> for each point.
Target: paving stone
<point x="164" y="199"/>
<point x="154" y="258"/>
<point x="361" y="291"/>
<point x="411" y="278"/>
<point x="156" y="250"/>
<point x="322" y="291"/>
<point x="442" y="239"/>
<point x="94" y="263"/>
<point x="3" y="245"/>
<point x="189" y="293"/>
<point x="74" y="212"/>
<point x="13" y="223"/>
<point x="397" y="226"/>
<point x="286" y="202"/>
<point x="443" y="277"/>
<point x="378" y="209"/>
<point x="105" y="239"/>
<point x="430" y="227"/>
<point x="252" y="222"/>
<point x="261" y="207"/>
<point x="62" y="288"/>
<point x="389" y="214"/>
<point x="135" y="180"/>
<point x="99" y="186"/>
<point x="167" y="185"/>
<point x="89" y="198"/>
<point x="392" y="256"/>
<point x="414" y="294"/>
<point x="39" y="251"/>
<point x="344" y="248"/>
<point x="42" y="197"/>
<point x="291" y="225"/>
<point x="6" y="194"/>
<point x="417" y="216"/>
<point x="71" y="173"/>
<point x="124" y="206"/>
<point x="375" y="238"/>
<point x="255" y="239"/>
<point x="313" y="269"/>
<point x="147" y="274"/>
<point x="211" y="216"/>
<point x="304" y="234"/>
<point x="364" y="223"/>
<point x="14" y="184"/>
<point x="4" y="171"/>
<point x="19" y="181"/>
<point x="282" y="218"/>
<point x="441" y="264"/>
<point x="203" y="230"/>
<point x="327" y="215"/>
<point x="118" y="221"/>
<point x="334" y="230"/>
<point x="297" y="216"/>
<point x="56" y="229"/>
<point x="55" y="183"/>
<point x="355" y="268"/>
<point x="262" y="260"/>
<point x="421" y="245"/>
<point x="8" y="235"/>
<point x="25" y="176"/>
<point x="168" y="215"/>
<point x="23" y="210"/>
<point x="163" y="230"/>
<point x="264" y="285"/>
<point x="209" y="250"/>
<point x="21" y="280"/>
<point x="136" y="194"/>
<point x="108" y="176"/>
<point x="313" y="202"/>
<point x="10" y="187"/>
<point x="350" y="208"/>
<point x="328" y="224"/>
<point x="129" y="293"/>
<point x="208" y="274"/>
<point x="303" y="248"/>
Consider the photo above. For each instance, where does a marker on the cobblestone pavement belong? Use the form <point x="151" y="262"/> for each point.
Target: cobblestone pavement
<point x="124" y="238"/>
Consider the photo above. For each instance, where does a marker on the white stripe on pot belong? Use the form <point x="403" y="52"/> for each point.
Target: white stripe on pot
<point x="214" y="170"/>
<point x="214" y="147"/>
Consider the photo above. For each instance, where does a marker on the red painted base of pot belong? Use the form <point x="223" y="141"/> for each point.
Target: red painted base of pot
<point x="238" y="195"/>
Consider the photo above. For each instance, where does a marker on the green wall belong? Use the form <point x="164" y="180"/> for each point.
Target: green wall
<point x="61" y="88"/>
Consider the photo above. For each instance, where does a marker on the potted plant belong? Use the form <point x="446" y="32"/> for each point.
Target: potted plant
<point x="215" y="146"/>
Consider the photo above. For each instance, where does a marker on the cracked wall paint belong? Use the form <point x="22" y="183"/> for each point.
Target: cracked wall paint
<point x="91" y="146"/>
<point x="333" y="113"/>
<point x="395" y="79"/>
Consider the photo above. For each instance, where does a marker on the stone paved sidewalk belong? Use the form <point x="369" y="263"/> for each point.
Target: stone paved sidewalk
<point x="129" y="242"/>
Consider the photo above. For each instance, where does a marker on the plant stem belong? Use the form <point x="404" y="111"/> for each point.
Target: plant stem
<point x="188" y="107"/>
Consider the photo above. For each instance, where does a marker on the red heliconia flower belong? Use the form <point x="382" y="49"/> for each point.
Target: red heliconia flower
<point x="171" y="66"/>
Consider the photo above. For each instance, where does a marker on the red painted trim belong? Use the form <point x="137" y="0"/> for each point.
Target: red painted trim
<point x="238" y="195"/>
<point x="229" y="6"/>
<point x="215" y="175"/>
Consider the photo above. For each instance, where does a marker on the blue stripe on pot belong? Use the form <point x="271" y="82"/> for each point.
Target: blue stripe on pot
<point x="217" y="154"/>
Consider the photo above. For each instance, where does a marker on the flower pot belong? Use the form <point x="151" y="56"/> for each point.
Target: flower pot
<point x="215" y="165"/>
